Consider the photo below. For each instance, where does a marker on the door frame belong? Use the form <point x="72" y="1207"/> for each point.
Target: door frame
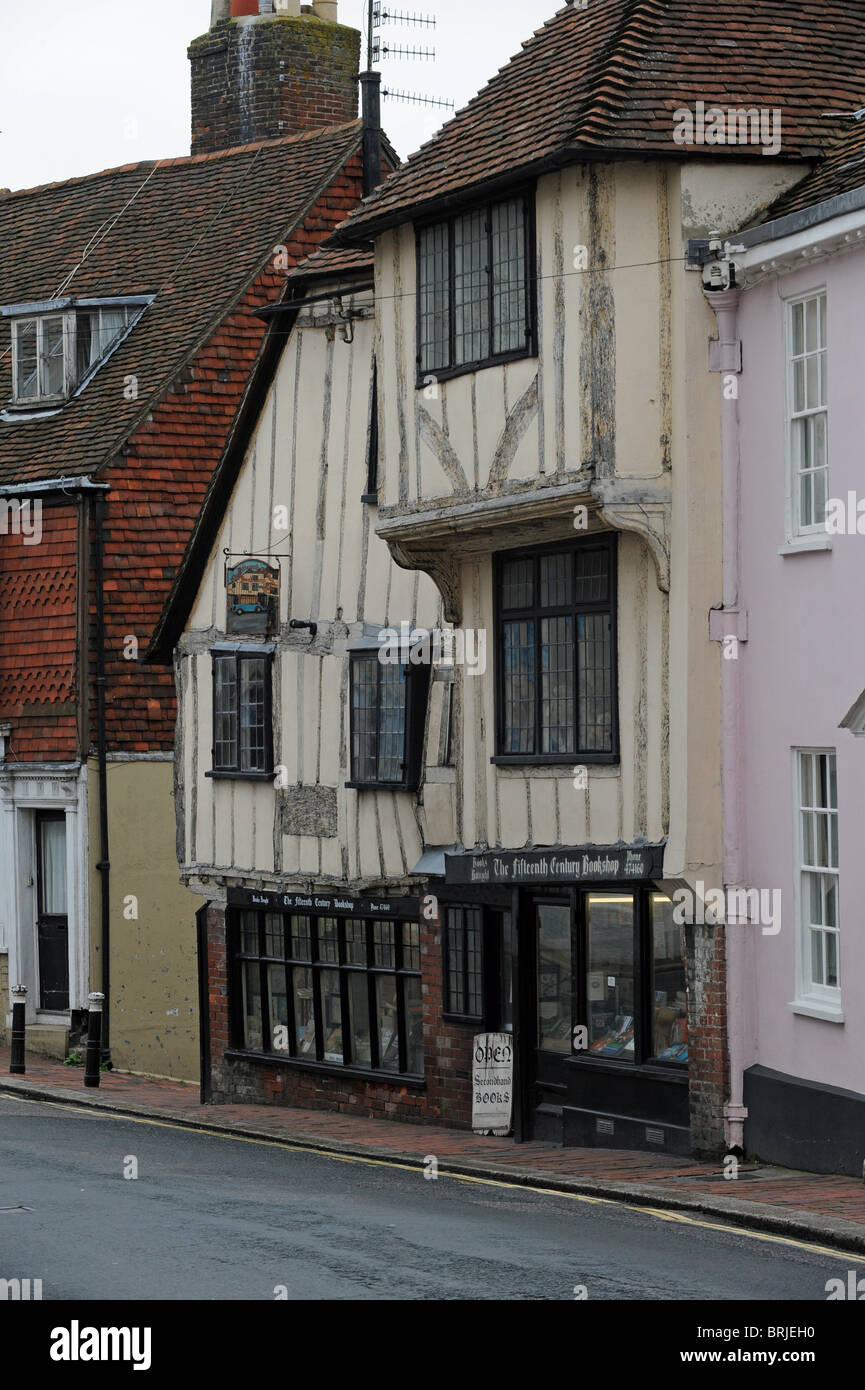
<point x="41" y="817"/>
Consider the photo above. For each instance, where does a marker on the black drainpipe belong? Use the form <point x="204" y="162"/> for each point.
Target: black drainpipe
<point x="203" y="1005"/>
<point x="104" y="865"/>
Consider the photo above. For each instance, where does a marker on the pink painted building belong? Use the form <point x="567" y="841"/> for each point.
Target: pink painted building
<point x="793" y="646"/>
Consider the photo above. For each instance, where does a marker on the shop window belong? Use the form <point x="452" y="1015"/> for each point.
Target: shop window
<point x="463" y="961"/>
<point x="330" y="990"/>
<point x="475" y="301"/>
<point x="477" y="951"/>
<point x="556" y="686"/>
<point x="242" y="726"/>
<point x="613" y="965"/>
<point x="388" y="712"/>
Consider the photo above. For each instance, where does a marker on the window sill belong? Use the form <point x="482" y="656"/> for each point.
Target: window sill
<point x="809" y="1008"/>
<point x="382" y="786"/>
<point x="240" y="776"/>
<point x="467" y="1020"/>
<point x="415" y="1083"/>
<point x="38" y="403"/>
<point x="465" y="368"/>
<point x="552" y="759"/>
<point x="802" y="544"/>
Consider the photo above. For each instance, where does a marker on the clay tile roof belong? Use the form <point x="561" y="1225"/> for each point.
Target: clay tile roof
<point x="195" y="232"/>
<point x="607" y="79"/>
<point x="328" y="264"/>
<point x="842" y="171"/>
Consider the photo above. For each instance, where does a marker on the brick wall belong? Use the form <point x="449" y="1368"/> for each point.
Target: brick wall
<point x="159" y="484"/>
<point x="39" y="659"/>
<point x="445" y="1099"/>
<point x="278" y="76"/>
<point x="708" y="1058"/>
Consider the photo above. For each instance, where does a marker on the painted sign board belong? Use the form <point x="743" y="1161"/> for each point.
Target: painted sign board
<point x="492" y="1083"/>
<point x="578" y="864"/>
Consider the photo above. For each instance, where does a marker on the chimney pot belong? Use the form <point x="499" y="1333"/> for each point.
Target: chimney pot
<point x="219" y="9"/>
<point x="242" y="7"/>
<point x="325" y="9"/>
<point x="291" y="8"/>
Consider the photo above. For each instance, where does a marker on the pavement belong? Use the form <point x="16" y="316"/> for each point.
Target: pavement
<point x="825" y="1208"/>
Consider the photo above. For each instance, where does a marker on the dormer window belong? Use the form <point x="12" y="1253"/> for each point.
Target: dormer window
<point x="57" y="346"/>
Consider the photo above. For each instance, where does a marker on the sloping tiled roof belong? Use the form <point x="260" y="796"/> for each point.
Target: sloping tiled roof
<point x="194" y="232"/>
<point x="326" y="263"/>
<point x="842" y="171"/>
<point x="607" y="79"/>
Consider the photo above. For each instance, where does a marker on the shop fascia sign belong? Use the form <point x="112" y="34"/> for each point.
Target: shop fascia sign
<point x="336" y="904"/>
<point x="569" y="864"/>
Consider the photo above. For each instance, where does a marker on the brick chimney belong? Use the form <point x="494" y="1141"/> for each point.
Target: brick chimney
<point x="268" y="68"/>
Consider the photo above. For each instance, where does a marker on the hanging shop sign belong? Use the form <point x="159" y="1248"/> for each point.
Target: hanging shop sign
<point x="578" y="864"/>
<point x="252" y="596"/>
<point x="333" y="904"/>
<point x="492" y="1083"/>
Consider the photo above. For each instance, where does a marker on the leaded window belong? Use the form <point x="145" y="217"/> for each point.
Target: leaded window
<point x="463" y="957"/>
<point x="334" y="990"/>
<point x="556" y="682"/>
<point x="474" y="292"/>
<point x="387" y="720"/>
<point x="241" y="714"/>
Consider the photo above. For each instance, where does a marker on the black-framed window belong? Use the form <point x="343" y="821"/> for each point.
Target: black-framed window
<point x="463" y="961"/>
<point x="242" y="718"/>
<point x="371" y="494"/>
<point x="338" y="991"/>
<point x="610" y="964"/>
<point x="556" y="676"/>
<point x="475" y="292"/>
<point x="388" y="713"/>
<point x="477" y="960"/>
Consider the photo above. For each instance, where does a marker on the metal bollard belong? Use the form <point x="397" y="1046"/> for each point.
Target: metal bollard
<point x="19" y="1003"/>
<point x="94" y="1039"/>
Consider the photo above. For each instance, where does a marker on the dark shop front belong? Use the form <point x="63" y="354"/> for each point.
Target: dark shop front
<point x="577" y="951"/>
<point x="370" y="1004"/>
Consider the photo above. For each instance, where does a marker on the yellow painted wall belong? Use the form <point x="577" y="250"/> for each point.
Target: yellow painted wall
<point x="153" y="957"/>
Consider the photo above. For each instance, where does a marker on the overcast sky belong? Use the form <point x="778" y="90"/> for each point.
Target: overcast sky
<point x="89" y="84"/>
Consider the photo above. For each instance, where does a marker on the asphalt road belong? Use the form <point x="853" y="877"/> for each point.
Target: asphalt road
<point x="215" y="1218"/>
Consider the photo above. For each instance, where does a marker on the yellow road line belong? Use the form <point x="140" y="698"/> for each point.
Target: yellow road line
<point x="658" y="1212"/>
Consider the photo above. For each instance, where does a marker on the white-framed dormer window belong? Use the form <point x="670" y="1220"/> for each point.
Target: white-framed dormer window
<point x="40" y="357"/>
<point x="57" y="346"/>
<point x="807" y="416"/>
<point x="818" y="971"/>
